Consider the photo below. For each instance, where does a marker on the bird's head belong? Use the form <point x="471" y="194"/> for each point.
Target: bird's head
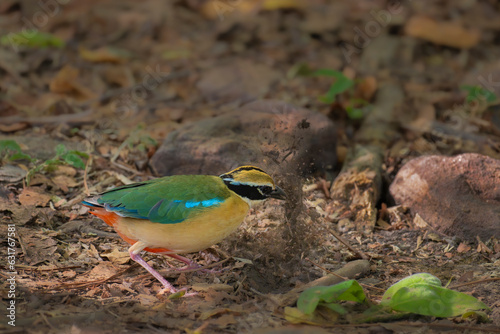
<point x="252" y="184"/>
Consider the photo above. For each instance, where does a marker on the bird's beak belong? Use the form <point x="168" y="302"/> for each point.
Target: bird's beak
<point x="278" y="193"/>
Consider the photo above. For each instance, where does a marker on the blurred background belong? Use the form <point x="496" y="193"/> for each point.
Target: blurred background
<point x="330" y="97"/>
<point x="103" y="70"/>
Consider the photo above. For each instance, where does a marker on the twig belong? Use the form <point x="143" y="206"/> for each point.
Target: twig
<point x="326" y="270"/>
<point x="208" y="266"/>
<point x="475" y="282"/>
<point x="46" y="320"/>
<point x="344" y="278"/>
<point x="410" y="324"/>
<point x="350" y="270"/>
<point x="417" y="324"/>
<point x="352" y="249"/>
<point x="85" y="174"/>
<point x="325" y="187"/>
<point x="126" y="168"/>
<point x="21" y="243"/>
<point x="120" y="148"/>
<point x="78" y="118"/>
<point x="77" y="285"/>
<point x="31" y="268"/>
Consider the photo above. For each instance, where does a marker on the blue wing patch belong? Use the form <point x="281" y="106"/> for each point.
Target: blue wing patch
<point x="164" y="211"/>
<point x="205" y="204"/>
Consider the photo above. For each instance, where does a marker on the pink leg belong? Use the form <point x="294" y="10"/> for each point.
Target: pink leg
<point x="134" y="251"/>
<point x="167" y="286"/>
<point x="190" y="263"/>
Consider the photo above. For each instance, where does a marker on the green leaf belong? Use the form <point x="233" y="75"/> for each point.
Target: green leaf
<point x="341" y="84"/>
<point x="299" y="69"/>
<point x="12" y="146"/>
<point x="177" y="294"/>
<point x="9" y="145"/>
<point x="32" y="38"/>
<point x="476" y="315"/>
<point x="296" y="316"/>
<point x="425" y="299"/>
<point x="336" y="308"/>
<point x="354" y="113"/>
<point x="20" y="156"/>
<point x="74" y="160"/>
<point x="477" y="93"/>
<point x="60" y="150"/>
<point x="409" y="282"/>
<point x="79" y="153"/>
<point x="347" y="291"/>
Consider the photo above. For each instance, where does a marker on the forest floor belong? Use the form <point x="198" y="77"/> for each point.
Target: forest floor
<point x="91" y="114"/>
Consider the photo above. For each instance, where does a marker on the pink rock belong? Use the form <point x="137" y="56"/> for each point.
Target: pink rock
<point x="458" y="196"/>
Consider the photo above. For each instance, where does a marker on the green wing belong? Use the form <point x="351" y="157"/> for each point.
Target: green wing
<point x="168" y="200"/>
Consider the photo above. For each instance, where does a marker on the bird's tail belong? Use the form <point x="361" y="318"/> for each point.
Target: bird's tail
<point x="91" y="202"/>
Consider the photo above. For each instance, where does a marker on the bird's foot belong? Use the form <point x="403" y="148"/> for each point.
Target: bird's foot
<point x="190" y="265"/>
<point x="194" y="267"/>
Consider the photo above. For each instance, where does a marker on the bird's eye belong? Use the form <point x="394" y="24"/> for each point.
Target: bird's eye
<point x="266" y="190"/>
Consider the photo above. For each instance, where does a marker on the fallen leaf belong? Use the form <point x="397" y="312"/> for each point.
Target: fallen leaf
<point x="218" y="311"/>
<point x="119" y="75"/>
<point x="366" y="88"/>
<point x="39" y="247"/>
<point x="64" y="182"/>
<point x="383" y="224"/>
<point x="62" y="82"/>
<point x="66" y="82"/>
<point x="482" y="248"/>
<point x="282" y="4"/>
<point x="11" y="174"/>
<point x="117" y="257"/>
<point x="102" y="270"/>
<point x="66" y="170"/>
<point x="33" y="197"/>
<point x="450" y="34"/>
<point x="216" y="287"/>
<point x="420" y="222"/>
<point x="69" y="274"/>
<point x="463" y="248"/>
<point x="13" y="127"/>
<point x="104" y="55"/>
<point x="419" y="242"/>
<point x="225" y="320"/>
<point x="466" y="277"/>
<point x="147" y="300"/>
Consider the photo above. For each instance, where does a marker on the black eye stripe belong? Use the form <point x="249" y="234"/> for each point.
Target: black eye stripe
<point x="266" y="189"/>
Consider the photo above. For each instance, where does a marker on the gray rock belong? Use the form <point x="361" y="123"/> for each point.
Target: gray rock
<point x="262" y="133"/>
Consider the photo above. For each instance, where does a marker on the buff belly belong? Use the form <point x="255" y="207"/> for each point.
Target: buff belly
<point x="196" y="233"/>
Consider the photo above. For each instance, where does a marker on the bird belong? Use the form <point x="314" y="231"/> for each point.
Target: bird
<point x="182" y="214"/>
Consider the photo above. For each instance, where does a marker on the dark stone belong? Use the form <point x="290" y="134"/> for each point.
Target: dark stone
<point x="457" y="196"/>
<point x="262" y="133"/>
